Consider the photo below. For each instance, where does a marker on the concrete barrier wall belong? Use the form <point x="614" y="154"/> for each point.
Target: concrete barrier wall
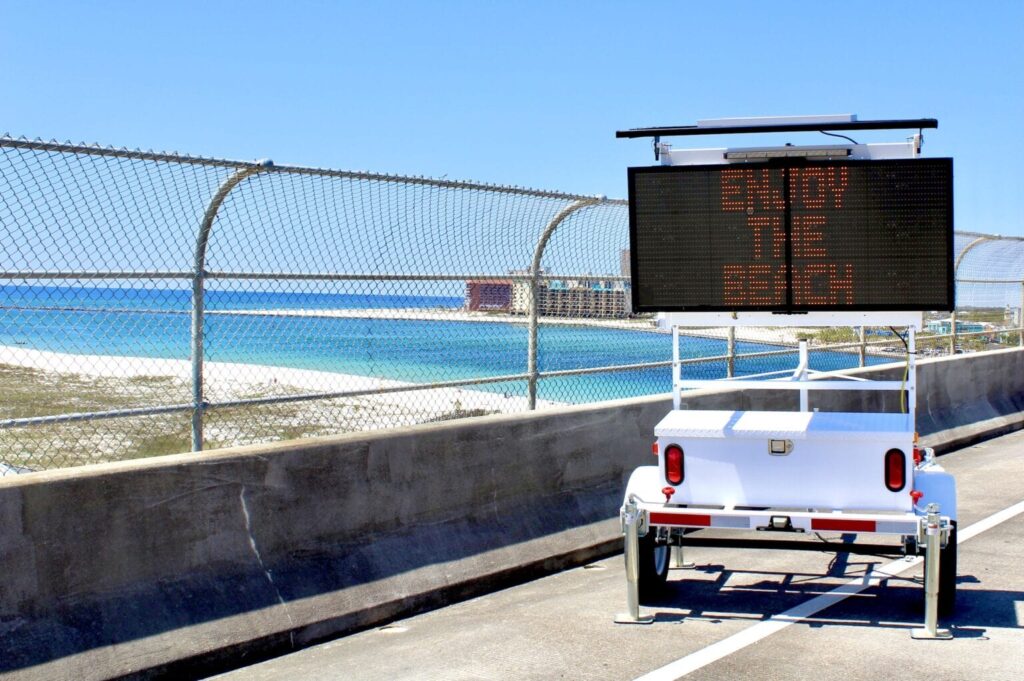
<point x="181" y="564"/>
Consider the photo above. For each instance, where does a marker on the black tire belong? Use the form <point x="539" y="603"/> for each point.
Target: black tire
<point x="947" y="574"/>
<point x="654" y="560"/>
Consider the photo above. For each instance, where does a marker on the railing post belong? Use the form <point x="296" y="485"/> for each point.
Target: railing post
<point x="199" y="295"/>
<point x="730" y="351"/>
<point x="538" y="253"/>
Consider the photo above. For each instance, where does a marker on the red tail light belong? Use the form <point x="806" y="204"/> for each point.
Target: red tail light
<point x="895" y="470"/>
<point x="674" y="471"/>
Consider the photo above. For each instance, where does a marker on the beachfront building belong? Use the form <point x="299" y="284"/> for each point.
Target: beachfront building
<point x="583" y="297"/>
<point x="1012" y="316"/>
<point x="489" y="295"/>
<point x="943" y="326"/>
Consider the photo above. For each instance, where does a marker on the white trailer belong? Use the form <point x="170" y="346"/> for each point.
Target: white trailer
<point x="770" y="476"/>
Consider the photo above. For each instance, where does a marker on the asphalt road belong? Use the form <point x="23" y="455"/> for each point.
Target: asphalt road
<point x="716" y="622"/>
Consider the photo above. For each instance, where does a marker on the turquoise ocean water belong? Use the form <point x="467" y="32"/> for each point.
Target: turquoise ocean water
<point x="156" y="323"/>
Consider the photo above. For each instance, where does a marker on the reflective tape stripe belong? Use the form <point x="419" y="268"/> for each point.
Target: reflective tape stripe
<point x="740" y="522"/>
<point x="840" y="525"/>
<point x="689" y="520"/>
<point x="883" y="527"/>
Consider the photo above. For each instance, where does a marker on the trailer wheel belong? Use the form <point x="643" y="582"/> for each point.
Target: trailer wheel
<point x="947" y="574"/>
<point x="654" y="559"/>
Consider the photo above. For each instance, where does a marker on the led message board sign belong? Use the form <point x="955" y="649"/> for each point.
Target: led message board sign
<point x="793" y="235"/>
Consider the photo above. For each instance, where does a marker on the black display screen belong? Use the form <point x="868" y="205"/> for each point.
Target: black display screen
<point x="792" y="235"/>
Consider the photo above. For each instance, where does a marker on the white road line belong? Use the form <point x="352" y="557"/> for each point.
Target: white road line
<point x="761" y="630"/>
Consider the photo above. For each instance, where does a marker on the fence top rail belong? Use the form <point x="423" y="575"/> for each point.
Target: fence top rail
<point x="266" y="166"/>
<point x="993" y="237"/>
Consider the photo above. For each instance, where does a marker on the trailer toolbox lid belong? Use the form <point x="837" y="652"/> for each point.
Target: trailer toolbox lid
<point x="782" y="424"/>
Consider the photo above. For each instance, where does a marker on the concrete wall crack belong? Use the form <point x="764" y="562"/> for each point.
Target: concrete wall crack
<point x="263" y="567"/>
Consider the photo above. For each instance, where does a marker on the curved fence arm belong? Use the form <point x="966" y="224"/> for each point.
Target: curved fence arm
<point x="956" y="272"/>
<point x="538" y="253"/>
<point x="198" y="294"/>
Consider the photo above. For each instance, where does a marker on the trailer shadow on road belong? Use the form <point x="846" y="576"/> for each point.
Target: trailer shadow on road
<point x="714" y="593"/>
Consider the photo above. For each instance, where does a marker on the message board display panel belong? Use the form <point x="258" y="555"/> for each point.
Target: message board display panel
<point x="793" y="235"/>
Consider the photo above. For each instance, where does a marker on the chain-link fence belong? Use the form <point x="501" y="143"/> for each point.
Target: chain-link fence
<point x="158" y="303"/>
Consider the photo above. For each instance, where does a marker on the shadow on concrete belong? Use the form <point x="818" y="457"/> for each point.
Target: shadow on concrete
<point x="254" y="598"/>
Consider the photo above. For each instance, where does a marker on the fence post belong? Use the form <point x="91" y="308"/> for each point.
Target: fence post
<point x="1020" y="317"/>
<point x="952" y="333"/>
<point x="199" y="295"/>
<point x="863" y="353"/>
<point x="730" y="351"/>
<point x="531" y="348"/>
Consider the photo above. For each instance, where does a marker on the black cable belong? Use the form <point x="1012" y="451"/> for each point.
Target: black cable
<point x="832" y="134"/>
<point x="896" y="333"/>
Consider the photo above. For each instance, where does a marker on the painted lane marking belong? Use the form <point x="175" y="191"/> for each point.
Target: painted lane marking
<point x="761" y="630"/>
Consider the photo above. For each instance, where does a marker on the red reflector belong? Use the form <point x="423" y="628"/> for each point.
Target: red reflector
<point x="840" y="525"/>
<point x="689" y="520"/>
<point x="674" y="465"/>
<point x="895" y="470"/>
<point x="654" y="448"/>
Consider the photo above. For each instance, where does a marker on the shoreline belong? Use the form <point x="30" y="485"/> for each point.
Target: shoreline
<point x="444" y="315"/>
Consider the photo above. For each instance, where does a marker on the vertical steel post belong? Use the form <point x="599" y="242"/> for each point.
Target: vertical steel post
<point x="952" y="333"/>
<point x="863" y="352"/>
<point x="678" y="558"/>
<point x="912" y="375"/>
<point x="199" y="295"/>
<point x="1020" y="317"/>
<point x="538" y="253"/>
<point x="730" y="351"/>
<point x="677" y="369"/>
<point x="933" y="548"/>
<point x="631" y="516"/>
<point x="804" y="403"/>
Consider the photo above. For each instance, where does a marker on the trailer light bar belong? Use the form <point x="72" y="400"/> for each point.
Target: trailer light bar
<point x="837" y="151"/>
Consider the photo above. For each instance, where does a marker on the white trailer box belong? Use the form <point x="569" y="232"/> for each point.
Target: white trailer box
<point x="803" y="460"/>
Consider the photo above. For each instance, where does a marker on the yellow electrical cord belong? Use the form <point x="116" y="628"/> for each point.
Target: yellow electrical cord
<point x="906" y="373"/>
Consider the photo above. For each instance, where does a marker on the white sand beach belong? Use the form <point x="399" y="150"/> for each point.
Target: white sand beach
<point x="228" y="381"/>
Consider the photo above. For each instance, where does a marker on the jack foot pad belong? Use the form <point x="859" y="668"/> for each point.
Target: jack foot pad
<point x="924" y="634"/>
<point x="626" y="618"/>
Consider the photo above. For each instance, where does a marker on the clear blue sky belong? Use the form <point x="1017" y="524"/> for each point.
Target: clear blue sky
<point x="526" y="93"/>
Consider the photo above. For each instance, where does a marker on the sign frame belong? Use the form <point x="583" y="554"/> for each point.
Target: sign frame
<point x="789" y="308"/>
